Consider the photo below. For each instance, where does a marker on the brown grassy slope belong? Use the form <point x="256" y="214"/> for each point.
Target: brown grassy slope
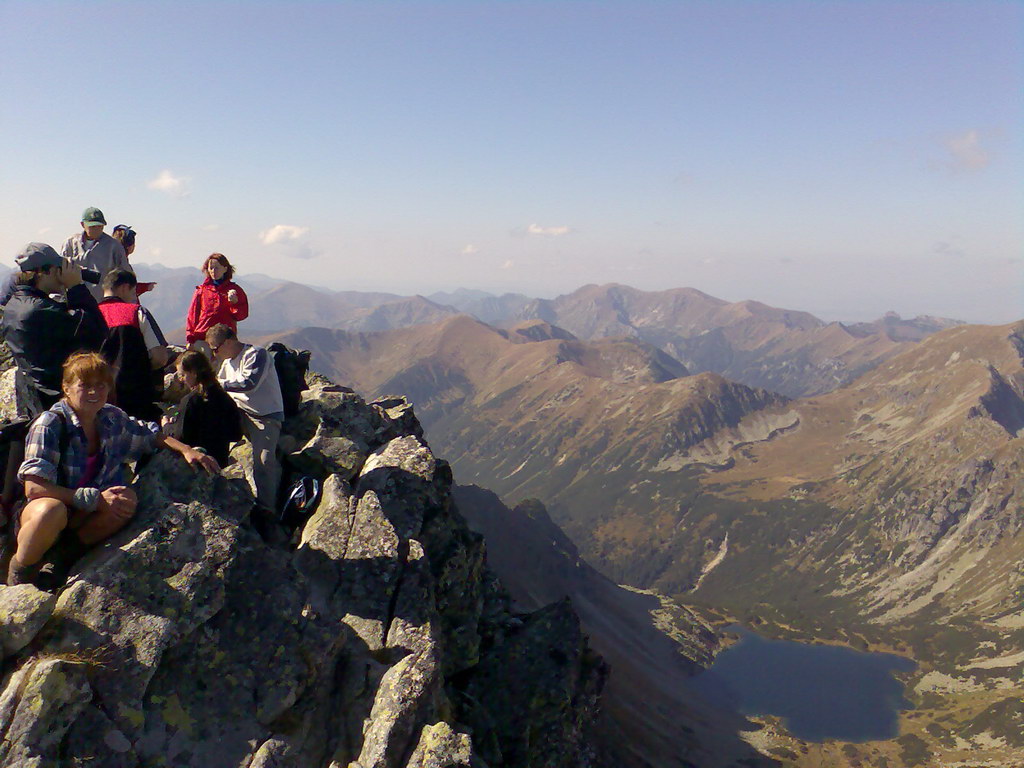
<point x="926" y="447"/>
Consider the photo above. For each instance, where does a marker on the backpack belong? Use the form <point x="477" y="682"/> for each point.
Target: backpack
<point x="12" y="449"/>
<point x="303" y="496"/>
<point x="291" y="366"/>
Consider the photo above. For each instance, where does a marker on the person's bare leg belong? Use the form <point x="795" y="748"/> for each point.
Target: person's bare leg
<point x="42" y="520"/>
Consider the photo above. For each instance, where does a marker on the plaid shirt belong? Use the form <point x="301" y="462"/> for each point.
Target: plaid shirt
<point x="122" y="439"/>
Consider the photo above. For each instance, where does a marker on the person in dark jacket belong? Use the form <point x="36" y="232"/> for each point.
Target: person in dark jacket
<point x="41" y="332"/>
<point x="132" y="347"/>
<point x="209" y="418"/>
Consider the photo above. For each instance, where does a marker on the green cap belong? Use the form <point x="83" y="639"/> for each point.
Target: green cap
<point x="93" y="216"/>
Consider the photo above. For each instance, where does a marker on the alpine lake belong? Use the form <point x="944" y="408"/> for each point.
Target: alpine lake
<point x="822" y="692"/>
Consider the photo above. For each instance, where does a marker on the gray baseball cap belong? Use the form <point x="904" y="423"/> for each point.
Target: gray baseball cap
<point x="37" y="256"/>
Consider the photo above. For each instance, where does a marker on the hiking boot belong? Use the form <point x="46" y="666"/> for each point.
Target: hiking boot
<point x="58" y="561"/>
<point x="21" y="574"/>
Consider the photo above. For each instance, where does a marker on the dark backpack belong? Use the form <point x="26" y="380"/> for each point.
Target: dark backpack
<point x="302" y="499"/>
<point x="12" y="449"/>
<point x="291" y="366"/>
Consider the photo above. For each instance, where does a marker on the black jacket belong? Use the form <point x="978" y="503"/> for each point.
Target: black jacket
<point x="43" y="333"/>
<point x="135" y="390"/>
<point x="211" y="422"/>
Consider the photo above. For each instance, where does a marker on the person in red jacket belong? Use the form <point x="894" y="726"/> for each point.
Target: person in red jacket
<point x="217" y="300"/>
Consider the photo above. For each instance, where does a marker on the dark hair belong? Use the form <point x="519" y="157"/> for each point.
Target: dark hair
<point x="115" y="278"/>
<point x="230" y="270"/>
<point x="220" y="333"/>
<point x="196" y="362"/>
<point x="127" y="235"/>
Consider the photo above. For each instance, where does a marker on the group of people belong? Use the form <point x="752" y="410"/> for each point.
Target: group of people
<point x="94" y="360"/>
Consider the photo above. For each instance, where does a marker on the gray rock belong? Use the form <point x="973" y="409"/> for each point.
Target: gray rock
<point x="38" y="706"/>
<point x="533" y="698"/>
<point x="441" y="747"/>
<point x="402" y="474"/>
<point x="400" y="415"/>
<point x="23" y="611"/>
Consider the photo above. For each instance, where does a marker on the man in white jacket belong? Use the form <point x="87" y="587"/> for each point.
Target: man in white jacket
<point x="247" y="373"/>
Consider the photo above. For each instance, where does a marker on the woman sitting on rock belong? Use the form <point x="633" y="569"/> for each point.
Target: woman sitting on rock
<point x="217" y="300"/>
<point x="74" y="472"/>
<point x="209" y="417"/>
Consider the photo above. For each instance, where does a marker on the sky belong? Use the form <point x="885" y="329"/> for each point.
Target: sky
<point x="843" y="158"/>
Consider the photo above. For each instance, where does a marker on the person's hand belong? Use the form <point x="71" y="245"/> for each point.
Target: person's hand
<point x="233" y="296"/>
<point x="201" y="460"/>
<point x="70" y="274"/>
<point x="119" y="501"/>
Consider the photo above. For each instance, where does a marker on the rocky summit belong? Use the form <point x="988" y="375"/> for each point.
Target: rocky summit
<point x="375" y="636"/>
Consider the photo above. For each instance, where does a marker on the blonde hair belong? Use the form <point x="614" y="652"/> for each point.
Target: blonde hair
<point x="88" y="368"/>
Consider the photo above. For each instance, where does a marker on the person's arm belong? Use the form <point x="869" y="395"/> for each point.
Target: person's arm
<point x="191" y="455"/>
<point x="239" y="310"/>
<point x="10" y="283"/>
<point x="158" y="354"/>
<point x="113" y="499"/>
<point x="42" y="458"/>
<point x="146" y="437"/>
<point x="90" y="328"/>
<point x="192" y="319"/>
<point x="155" y="327"/>
<point x="250" y="371"/>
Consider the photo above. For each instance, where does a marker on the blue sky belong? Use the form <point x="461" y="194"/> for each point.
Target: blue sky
<point x="840" y="157"/>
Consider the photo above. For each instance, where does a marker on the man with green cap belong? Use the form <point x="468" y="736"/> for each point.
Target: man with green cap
<point x="94" y="249"/>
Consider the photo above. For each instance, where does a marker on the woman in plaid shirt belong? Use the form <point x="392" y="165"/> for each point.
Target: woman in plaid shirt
<point x="74" y="469"/>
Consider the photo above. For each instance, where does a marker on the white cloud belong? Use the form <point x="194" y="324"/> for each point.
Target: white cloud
<point x="211" y="227"/>
<point x="469" y="250"/>
<point x="537" y="229"/>
<point x="966" y="152"/>
<point x="508" y="264"/>
<point x="44" y="230"/>
<point x="166" y="181"/>
<point x="155" y="252"/>
<point x="282" y="233"/>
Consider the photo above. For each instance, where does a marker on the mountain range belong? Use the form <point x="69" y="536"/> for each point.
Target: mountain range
<point x="884" y="514"/>
<point x="787" y="351"/>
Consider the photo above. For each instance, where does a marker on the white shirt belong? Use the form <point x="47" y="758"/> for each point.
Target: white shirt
<point x="251" y="379"/>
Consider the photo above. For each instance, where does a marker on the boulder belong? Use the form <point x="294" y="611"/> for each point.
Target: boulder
<point x="23" y="611"/>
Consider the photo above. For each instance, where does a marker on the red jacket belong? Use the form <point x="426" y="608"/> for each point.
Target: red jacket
<point x="210" y="306"/>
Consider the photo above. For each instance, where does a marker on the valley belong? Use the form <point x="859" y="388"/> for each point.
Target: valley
<point x="881" y="515"/>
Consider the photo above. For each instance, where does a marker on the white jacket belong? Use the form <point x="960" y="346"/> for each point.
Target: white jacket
<point x="251" y="379"/>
